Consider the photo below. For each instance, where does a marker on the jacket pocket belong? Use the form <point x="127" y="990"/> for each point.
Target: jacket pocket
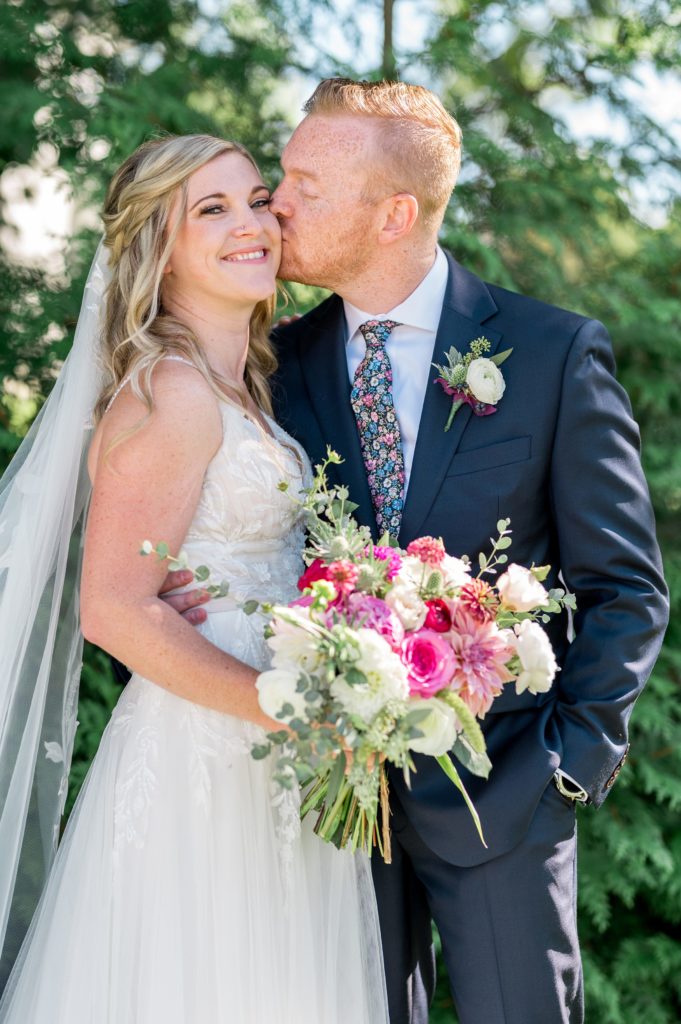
<point x="518" y="449"/>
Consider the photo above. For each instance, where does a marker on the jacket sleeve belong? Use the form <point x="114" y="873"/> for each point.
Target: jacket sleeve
<point x="609" y="558"/>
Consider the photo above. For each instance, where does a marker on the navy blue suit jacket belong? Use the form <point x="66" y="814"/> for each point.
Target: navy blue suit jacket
<point x="561" y="458"/>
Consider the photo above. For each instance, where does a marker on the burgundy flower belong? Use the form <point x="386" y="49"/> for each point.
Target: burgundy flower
<point x="439" y="617"/>
<point x="315" y="571"/>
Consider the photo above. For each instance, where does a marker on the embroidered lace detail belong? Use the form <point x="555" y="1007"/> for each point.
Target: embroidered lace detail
<point x="286" y="805"/>
<point x="135" y="790"/>
<point x="210" y="751"/>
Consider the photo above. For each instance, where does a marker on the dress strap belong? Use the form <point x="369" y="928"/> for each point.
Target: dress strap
<point x="126" y="380"/>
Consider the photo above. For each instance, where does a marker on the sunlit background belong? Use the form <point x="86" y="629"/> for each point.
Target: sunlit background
<point x="570" y="191"/>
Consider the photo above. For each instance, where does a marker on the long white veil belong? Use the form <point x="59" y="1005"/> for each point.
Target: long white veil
<point x="43" y="501"/>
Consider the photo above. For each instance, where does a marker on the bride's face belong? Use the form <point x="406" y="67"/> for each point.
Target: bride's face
<point x="228" y="246"/>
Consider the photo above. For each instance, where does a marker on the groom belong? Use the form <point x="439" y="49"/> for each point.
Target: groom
<point x="367" y="176"/>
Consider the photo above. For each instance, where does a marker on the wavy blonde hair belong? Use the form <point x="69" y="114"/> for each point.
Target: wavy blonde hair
<point x="138" y="332"/>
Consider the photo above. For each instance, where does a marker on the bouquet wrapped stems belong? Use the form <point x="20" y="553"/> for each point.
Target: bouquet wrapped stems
<point x="343" y="821"/>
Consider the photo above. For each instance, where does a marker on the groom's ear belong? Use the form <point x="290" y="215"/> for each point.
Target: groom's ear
<point x="401" y="213"/>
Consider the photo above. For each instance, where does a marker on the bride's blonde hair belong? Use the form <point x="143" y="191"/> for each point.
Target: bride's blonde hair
<point x="138" y="332"/>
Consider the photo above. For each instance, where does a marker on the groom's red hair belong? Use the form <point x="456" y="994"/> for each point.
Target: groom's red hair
<point x="421" y="140"/>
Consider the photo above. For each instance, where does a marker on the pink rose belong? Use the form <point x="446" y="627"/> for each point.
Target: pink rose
<point x="430" y="662"/>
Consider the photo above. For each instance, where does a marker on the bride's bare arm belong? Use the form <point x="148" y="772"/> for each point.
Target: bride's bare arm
<point x="148" y="487"/>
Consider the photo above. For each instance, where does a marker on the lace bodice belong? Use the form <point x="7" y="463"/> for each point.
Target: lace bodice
<point x="246" y="529"/>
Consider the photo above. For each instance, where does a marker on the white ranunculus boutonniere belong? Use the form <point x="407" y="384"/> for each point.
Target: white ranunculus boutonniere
<point x="473" y="379"/>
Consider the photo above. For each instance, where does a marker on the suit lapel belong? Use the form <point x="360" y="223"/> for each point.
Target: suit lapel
<point x="325" y="371"/>
<point x="467" y="305"/>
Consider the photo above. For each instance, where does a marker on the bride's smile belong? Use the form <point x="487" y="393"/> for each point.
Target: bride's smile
<point x="228" y="246"/>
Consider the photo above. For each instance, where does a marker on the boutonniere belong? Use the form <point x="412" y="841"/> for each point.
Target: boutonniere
<point x="473" y="379"/>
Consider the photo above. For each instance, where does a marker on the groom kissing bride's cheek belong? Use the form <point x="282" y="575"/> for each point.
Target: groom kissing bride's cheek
<point x="367" y="176"/>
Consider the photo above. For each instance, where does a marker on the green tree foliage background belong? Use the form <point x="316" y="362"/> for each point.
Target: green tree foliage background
<point x="565" y="219"/>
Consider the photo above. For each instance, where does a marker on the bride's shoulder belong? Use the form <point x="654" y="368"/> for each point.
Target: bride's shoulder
<point x="185" y="416"/>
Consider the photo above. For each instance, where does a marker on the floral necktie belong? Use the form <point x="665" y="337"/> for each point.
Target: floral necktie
<point x="379" y="432"/>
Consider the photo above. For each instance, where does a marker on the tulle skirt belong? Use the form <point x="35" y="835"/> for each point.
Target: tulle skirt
<point x="186" y="892"/>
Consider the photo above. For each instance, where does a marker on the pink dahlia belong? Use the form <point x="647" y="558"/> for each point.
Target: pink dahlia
<point x="480" y="657"/>
<point x="430" y="662"/>
<point x="427" y="550"/>
<point x="370" y="612"/>
<point x="479" y="600"/>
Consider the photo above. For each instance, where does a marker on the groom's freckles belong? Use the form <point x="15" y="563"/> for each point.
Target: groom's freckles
<point x="321" y="200"/>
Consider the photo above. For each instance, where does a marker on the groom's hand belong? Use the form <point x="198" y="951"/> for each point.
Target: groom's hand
<point x="189" y="602"/>
<point x="284" y="320"/>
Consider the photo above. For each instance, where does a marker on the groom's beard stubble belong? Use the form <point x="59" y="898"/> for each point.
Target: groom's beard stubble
<point x="324" y="259"/>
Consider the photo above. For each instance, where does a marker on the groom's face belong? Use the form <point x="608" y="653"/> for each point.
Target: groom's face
<point x="326" y="201"/>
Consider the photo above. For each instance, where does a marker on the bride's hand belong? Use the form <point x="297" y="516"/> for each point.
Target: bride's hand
<point x="188" y="603"/>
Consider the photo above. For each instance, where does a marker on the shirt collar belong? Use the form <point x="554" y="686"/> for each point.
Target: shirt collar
<point x="421" y="309"/>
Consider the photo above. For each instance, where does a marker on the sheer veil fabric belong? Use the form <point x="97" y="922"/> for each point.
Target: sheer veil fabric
<point x="43" y="499"/>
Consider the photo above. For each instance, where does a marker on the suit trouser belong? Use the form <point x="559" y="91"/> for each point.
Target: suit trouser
<point x="508" y="926"/>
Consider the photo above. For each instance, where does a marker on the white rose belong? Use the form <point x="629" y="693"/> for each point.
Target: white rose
<point x="294" y="646"/>
<point x="403" y="599"/>
<point x="439" y="728"/>
<point x="412" y="571"/>
<point x="277" y="687"/>
<point x="485" y="381"/>
<point x="537" y="659"/>
<point x="385" y="673"/>
<point x="455" y="571"/>
<point x="520" y="590"/>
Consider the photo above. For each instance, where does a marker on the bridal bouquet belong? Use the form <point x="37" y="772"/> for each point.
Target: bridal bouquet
<point x="390" y="652"/>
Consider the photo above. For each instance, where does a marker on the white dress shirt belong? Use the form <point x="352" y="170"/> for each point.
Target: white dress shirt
<point x="409" y="348"/>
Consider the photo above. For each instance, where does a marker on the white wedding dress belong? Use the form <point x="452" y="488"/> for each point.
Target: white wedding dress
<point x="185" y="890"/>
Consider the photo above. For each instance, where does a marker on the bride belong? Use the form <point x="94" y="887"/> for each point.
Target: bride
<point x="185" y="890"/>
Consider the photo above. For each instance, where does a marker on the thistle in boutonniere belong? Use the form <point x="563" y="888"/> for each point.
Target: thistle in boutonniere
<point x="473" y="379"/>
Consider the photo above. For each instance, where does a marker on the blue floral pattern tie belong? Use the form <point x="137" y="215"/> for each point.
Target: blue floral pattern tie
<point x="379" y="432"/>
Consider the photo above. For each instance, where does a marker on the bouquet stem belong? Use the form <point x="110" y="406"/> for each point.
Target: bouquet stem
<point x="450" y="771"/>
<point x="384" y="796"/>
<point x="345" y="822"/>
